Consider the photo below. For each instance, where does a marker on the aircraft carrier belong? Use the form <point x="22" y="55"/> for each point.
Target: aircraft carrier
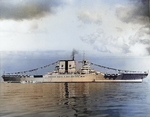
<point x="66" y="71"/>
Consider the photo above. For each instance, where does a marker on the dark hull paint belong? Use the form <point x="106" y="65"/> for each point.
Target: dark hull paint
<point x="133" y="76"/>
<point x="125" y="76"/>
<point x="11" y="78"/>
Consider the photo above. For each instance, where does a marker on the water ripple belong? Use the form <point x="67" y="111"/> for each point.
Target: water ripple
<point x="74" y="99"/>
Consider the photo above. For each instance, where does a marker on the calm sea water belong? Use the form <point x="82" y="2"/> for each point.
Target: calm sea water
<point x="75" y="100"/>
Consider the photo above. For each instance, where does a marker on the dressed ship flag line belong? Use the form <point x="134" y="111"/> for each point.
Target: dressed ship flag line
<point x="31" y="70"/>
<point x="65" y="71"/>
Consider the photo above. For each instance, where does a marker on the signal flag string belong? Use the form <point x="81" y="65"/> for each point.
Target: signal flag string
<point x="119" y="70"/>
<point x="32" y="69"/>
<point x="22" y="72"/>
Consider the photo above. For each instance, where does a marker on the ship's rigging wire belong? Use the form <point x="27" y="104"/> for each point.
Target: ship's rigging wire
<point x="31" y="70"/>
<point x="119" y="70"/>
<point x="110" y="68"/>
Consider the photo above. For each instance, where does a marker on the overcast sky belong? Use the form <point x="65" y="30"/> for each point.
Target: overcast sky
<point x="104" y="27"/>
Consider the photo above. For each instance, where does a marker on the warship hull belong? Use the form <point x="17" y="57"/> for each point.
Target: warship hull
<point x="104" y="78"/>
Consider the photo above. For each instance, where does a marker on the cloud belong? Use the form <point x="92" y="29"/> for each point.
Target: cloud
<point x="134" y="12"/>
<point x="87" y="16"/>
<point x="137" y="13"/>
<point x="138" y="43"/>
<point x="27" y="9"/>
<point x="99" y="26"/>
<point x="106" y="43"/>
<point x="124" y="28"/>
<point x="148" y="49"/>
<point x="119" y="29"/>
<point x="34" y="26"/>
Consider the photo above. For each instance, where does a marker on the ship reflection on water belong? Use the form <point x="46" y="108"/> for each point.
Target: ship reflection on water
<point x="73" y="99"/>
<point x="77" y="97"/>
